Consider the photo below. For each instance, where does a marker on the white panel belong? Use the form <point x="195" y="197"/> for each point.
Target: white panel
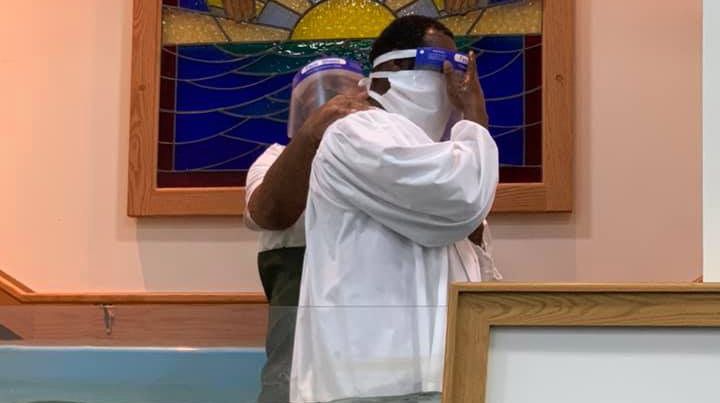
<point x="618" y="365"/>
<point x="711" y="140"/>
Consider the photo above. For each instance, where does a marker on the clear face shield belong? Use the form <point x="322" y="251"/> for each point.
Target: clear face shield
<point x="319" y="82"/>
<point x="421" y="94"/>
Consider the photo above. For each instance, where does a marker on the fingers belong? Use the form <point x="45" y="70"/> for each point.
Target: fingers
<point x="448" y="71"/>
<point x="337" y="108"/>
<point x="354" y="101"/>
<point x="343" y="105"/>
<point x="361" y="94"/>
<point x="472" y="67"/>
<point x="355" y="105"/>
<point x="356" y="92"/>
<point x="349" y="97"/>
<point x="451" y="79"/>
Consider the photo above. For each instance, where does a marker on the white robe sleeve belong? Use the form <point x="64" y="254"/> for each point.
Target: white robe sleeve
<point x="432" y="193"/>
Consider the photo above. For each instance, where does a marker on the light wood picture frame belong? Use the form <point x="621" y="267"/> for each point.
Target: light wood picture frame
<point x="145" y="198"/>
<point x="476" y="308"/>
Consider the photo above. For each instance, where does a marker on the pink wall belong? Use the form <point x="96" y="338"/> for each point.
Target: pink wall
<point x="64" y="165"/>
<point x="64" y="106"/>
<point x="638" y="153"/>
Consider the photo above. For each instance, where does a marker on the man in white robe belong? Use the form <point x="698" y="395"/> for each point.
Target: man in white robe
<point x="389" y="213"/>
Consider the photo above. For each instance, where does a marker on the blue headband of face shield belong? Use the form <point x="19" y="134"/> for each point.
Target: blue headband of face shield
<point x="327" y="63"/>
<point x="427" y="58"/>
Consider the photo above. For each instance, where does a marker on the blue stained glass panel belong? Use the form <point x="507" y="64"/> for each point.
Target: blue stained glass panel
<point x="499" y="44"/>
<point x="198" y="126"/>
<point x="192" y="97"/>
<point x="211" y="54"/>
<point x="233" y="99"/>
<point x="213" y="153"/>
<point x="193" y="69"/>
<point x="261" y="108"/>
<point x="490" y="63"/>
<point x="199" y="5"/>
<point x="505" y="81"/>
<point x="241" y="81"/>
<point x="511" y="145"/>
<point x="280" y="64"/>
<point x="498" y="2"/>
<point x="284" y="94"/>
<point x="262" y="131"/>
<point x="507" y="112"/>
<point x="241" y="163"/>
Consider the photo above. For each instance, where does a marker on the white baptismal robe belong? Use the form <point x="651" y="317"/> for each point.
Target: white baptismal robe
<point x="387" y="220"/>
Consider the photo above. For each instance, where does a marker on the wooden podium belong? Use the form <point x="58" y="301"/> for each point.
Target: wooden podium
<point x="475" y="309"/>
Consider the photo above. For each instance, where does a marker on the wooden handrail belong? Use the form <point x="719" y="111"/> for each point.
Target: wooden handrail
<point x="24" y="295"/>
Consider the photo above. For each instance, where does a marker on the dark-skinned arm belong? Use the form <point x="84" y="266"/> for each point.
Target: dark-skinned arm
<point x="279" y="201"/>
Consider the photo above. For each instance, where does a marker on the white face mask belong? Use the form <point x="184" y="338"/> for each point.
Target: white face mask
<point x="419" y="95"/>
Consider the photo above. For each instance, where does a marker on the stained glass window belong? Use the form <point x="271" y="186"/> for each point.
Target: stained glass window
<point x="225" y="84"/>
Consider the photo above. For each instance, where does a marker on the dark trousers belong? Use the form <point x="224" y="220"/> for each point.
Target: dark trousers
<point x="280" y="273"/>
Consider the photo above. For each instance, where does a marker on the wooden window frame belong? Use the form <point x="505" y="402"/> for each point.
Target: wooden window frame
<point x="145" y="198"/>
<point x="476" y="308"/>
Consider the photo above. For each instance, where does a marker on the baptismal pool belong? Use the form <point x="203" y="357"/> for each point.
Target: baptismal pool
<point x="129" y="375"/>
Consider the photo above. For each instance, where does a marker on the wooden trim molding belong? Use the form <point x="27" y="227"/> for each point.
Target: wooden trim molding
<point x="13" y="292"/>
<point x="144" y="197"/>
<point x="137" y="319"/>
<point x="476" y="308"/>
<point x="6" y="278"/>
<point x="154" y="325"/>
<point x="553" y="194"/>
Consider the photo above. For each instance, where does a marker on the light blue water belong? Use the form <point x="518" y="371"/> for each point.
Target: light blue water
<point x="129" y="375"/>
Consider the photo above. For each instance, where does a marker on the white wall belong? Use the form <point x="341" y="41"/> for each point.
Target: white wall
<point x="711" y="140"/>
<point x="637" y="153"/>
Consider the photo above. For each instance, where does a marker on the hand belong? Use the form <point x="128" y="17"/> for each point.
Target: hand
<point x="477" y="236"/>
<point x="337" y="108"/>
<point x="465" y="92"/>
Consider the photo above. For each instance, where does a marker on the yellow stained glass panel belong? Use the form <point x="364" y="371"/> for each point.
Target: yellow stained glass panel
<point x="341" y="19"/>
<point x="243" y="32"/>
<point x="337" y="19"/>
<point x="440" y="4"/>
<point x="183" y="27"/>
<point x="519" y="18"/>
<point x="258" y="7"/>
<point x="187" y="27"/>
<point x="460" y="24"/>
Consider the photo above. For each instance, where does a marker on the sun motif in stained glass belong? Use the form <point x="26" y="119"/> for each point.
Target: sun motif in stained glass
<point x="199" y="21"/>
